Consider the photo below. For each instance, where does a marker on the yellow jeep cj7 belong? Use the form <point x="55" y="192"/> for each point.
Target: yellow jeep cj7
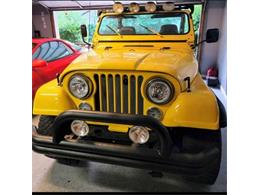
<point x="135" y="98"/>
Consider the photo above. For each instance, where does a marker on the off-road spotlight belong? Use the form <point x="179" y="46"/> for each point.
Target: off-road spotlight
<point x="79" y="128"/>
<point x="139" y="134"/>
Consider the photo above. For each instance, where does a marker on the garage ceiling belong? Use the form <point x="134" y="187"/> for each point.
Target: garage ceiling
<point x="77" y="5"/>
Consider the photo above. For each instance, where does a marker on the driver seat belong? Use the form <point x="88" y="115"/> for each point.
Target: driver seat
<point x="127" y="30"/>
<point x="169" y="29"/>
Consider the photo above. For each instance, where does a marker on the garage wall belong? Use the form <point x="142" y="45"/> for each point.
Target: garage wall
<point x="41" y="21"/>
<point x="215" y="53"/>
<point x="222" y="54"/>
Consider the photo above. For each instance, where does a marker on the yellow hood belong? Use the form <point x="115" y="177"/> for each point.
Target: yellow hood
<point x="179" y="63"/>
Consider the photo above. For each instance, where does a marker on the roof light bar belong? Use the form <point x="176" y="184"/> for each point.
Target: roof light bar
<point x="168" y="6"/>
<point x="150" y="6"/>
<point x="134" y="7"/>
<point x="118" y="7"/>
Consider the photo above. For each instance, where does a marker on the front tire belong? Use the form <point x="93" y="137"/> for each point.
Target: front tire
<point x="45" y="128"/>
<point x="195" y="141"/>
<point x="45" y="124"/>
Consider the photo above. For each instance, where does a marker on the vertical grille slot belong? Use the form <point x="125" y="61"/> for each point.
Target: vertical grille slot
<point x="110" y="93"/>
<point x="125" y="94"/>
<point x="103" y="93"/>
<point x="118" y="93"/>
<point x="97" y="102"/>
<point x="132" y="95"/>
<point x="139" y="96"/>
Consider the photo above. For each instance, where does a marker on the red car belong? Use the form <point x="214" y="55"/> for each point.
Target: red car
<point x="49" y="57"/>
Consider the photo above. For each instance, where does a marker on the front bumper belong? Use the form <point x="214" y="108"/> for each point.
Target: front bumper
<point x="166" y="159"/>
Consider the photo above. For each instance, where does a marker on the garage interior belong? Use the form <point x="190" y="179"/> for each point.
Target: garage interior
<point x="48" y="175"/>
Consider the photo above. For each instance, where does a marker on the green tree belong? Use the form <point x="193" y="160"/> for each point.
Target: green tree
<point x="69" y="25"/>
<point x="196" y="17"/>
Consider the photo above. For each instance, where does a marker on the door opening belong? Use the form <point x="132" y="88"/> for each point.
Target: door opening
<point x="67" y="24"/>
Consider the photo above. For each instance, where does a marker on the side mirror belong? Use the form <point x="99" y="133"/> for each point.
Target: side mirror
<point x="38" y="63"/>
<point x="212" y="35"/>
<point x="83" y="29"/>
<point x="84" y="33"/>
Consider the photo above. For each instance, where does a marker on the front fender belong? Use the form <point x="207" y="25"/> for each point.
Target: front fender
<point x="51" y="99"/>
<point x="195" y="109"/>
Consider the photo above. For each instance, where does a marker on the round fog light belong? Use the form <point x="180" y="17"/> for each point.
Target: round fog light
<point x="155" y="113"/>
<point x="85" y="106"/>
<point x="139" y="134"/>
<point x="79" y="128"/>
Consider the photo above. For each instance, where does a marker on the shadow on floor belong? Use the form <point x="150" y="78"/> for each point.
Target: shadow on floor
<point x="116" y="178"/>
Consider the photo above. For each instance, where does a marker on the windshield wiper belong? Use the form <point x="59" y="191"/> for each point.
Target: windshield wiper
<point x="114" y="30"/>
<point x="151" y="30"/>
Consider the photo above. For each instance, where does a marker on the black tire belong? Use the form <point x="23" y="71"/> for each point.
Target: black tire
<point x="195" y="141"/>
<point x="44" y="126"/>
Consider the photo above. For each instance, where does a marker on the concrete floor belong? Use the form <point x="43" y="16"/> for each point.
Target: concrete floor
<point x="50" y="176"/>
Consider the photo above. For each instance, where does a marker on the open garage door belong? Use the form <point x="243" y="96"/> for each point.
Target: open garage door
<point x="67" y="16"/>
<point x="77" y="5"/>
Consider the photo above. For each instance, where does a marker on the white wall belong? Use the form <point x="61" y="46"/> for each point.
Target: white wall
<point x="222" y="53"/>
<point x="213" y="19"/>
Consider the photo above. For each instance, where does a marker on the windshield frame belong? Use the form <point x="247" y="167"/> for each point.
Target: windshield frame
<point x="144" y="13"/>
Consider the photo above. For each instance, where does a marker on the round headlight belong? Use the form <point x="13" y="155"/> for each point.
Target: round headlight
<point x="79" y="86"/>
<point x="159" y="91"/>
<point x="134" y="7"/>
<point x="150" y="7"/>
<point x="118" y="7"/>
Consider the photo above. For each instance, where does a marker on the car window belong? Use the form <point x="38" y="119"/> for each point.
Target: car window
<point x="36" y="53"/>
<point x="53" y="47"/>
<point x="52" y="50"/>
<point x="59" y="52"/>
<point x="41" y="51"/>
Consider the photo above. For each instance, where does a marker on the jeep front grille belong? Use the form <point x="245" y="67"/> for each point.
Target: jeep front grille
<point x="118" y="93"/>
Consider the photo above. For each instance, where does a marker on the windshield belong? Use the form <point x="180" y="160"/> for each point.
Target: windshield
<point x="145" y="24"/>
